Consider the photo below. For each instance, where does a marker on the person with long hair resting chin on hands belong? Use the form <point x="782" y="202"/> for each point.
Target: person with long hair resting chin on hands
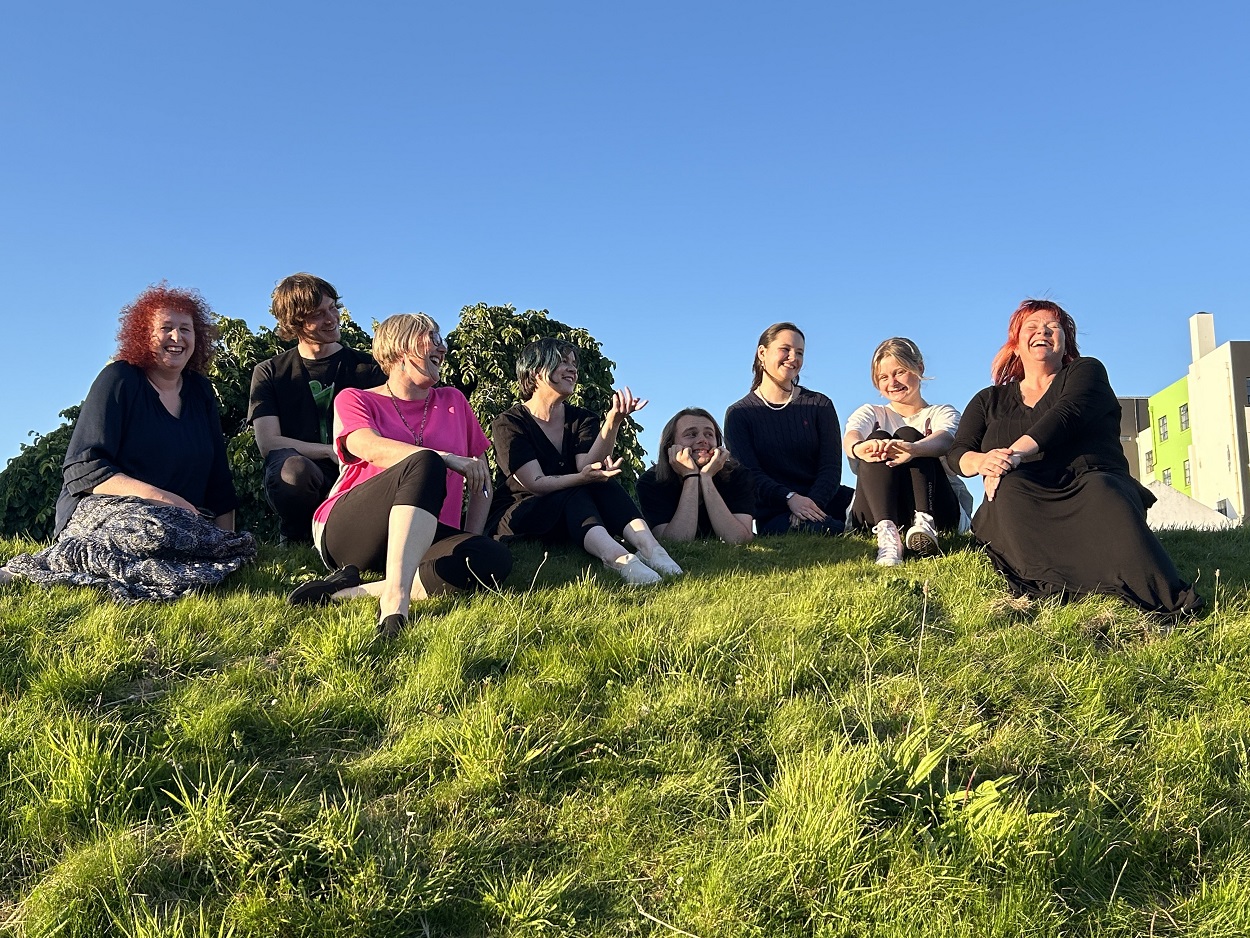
<point x="1062" y="516"/>
<point x="558" y="480"/>
<point x="697" y="489"/>
<point x="408" y="448"/>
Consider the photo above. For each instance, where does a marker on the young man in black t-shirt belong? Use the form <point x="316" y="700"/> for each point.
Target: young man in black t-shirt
<point x="291" y="407"/>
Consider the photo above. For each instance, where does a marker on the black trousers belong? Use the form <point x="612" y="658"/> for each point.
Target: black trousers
<point x="359" y="524"/>
<point x="885" y="493"/>
<point x="294" y="486"/>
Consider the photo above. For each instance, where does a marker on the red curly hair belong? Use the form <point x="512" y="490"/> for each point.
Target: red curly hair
<point x="134" y="337"/>
<point x="1007" y="366"/>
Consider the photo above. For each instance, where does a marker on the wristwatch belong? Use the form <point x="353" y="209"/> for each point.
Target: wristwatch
<point x="790" y="495"/>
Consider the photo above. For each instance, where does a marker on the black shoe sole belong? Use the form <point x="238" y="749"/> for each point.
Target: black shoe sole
<point x="318" y="592"/>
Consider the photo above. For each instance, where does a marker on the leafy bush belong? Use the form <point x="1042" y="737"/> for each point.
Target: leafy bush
<point x="31" y="482"/>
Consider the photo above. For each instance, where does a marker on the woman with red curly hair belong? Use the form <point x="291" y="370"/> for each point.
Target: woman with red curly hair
<point x="1062" y="516"/>
<point x="145" y="475"/>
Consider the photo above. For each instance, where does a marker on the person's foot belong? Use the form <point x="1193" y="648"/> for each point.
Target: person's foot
<point x="320" y="592"/>
<point x="659" y="561"/>
<point x="889" y="544"/>
<point x="922" y="536"/>
<point x="633" y="571"/>
<point x="390" y="626"/>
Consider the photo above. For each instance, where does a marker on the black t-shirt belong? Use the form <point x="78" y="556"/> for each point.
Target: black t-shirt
<point x="300" y="392"/>
<point x="517" y="439"/>
<point x="123" y="427"/>
<point x="659" y="500"/>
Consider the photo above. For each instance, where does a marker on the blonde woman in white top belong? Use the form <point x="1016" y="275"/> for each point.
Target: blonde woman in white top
<point x="896" y="450"/>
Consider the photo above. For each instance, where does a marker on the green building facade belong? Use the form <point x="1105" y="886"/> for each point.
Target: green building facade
<point x="1171" y="436"/>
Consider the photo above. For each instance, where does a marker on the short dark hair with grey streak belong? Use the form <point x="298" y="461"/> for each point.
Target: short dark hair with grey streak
<point x="540" y="358"/>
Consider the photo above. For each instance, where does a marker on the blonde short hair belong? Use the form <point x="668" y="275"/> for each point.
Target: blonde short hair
<point x="399" y="335"/>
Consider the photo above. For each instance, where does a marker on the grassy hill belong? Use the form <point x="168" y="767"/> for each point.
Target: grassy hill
<point x="787" y="741"/>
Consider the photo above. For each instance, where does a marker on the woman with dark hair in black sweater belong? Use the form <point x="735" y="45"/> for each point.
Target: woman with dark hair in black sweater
<point x="790" y="439"/>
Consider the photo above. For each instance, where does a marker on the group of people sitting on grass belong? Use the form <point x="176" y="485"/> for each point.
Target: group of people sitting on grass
<point x="371" y="458"/>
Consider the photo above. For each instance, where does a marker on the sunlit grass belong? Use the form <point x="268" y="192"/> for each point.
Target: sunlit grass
<point x="787" y="741"/>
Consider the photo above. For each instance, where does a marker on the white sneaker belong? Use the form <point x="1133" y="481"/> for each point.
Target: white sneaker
<point x="889" y="544"/>
<point x="633" y="571"/>
<point x="922" y="537"/>
<point x="659" y="561"/>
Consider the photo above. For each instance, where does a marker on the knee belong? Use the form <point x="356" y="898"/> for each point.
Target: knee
<point x="908" y="434"/>
<point x="425" y="460"/>
<point x="489" y="561"/>
<point x="299" y="471"/>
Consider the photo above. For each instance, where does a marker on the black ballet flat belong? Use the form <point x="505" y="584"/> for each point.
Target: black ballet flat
<point x="318" y="592"/>
<point x="390" y="626"/>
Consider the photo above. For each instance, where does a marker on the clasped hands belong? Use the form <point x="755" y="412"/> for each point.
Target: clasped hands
<point x="994" y="465"/>
<point x="891" y="452"/>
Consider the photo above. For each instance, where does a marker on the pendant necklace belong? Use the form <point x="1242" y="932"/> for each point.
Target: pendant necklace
<point x="417" y="436"/>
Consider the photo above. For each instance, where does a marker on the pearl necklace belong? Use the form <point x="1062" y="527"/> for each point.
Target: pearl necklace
<point x="417" y="437"/>
<point x="771" y="406"/>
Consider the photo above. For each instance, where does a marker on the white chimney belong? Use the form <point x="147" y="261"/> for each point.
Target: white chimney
<point x="1201" y="335"/>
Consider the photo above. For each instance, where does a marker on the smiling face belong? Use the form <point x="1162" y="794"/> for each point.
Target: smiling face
<point x="782" y="358"/>
<point x="428" y="360"/>
<point x="321" y="327"/>
<point x="173" y="340"/>
<point x="1041" y="338"/>
<point x="699" y="435"/>
<point x="563" y="378"/>
<point x="898" y="384"/>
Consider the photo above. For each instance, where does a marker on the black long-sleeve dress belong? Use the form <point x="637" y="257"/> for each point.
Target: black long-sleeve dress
<point x="1070" y="520"/>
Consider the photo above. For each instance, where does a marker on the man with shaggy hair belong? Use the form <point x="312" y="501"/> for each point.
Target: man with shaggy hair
<point x="291" y="407"/>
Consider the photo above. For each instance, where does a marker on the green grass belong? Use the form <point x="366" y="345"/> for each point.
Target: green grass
<point x="787" y="741"/>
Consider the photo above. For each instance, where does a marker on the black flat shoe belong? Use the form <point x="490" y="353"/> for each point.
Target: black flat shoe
<point x="318" y="592"/>
<point x="392" y="625"/>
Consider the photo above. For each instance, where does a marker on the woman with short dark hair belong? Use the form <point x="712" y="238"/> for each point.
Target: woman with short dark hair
<point x="559" y="476"/>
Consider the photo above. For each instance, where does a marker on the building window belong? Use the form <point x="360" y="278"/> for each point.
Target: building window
<point x="1150" y="460"/>
<point x="1184" y="416"/>
<point x="1189" y="476"/>
<point x="1163" y="427"/>
<point x="1167" y="476"/>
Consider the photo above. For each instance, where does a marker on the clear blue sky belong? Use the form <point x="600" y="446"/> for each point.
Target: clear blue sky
<point x="672" y="176"/>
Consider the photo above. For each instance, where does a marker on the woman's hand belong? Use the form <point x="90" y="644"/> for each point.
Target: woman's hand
<point x="803" y="509"/>
<point x="681" y="460"/>
<point x="991" y="486"/>
<point x="600" y="471"/>
<point x="897" y="452"/>
<point x="475" y="470"/>
<point x="871" y="450"/>
<point x="720" y="456"/>
<point x="997" y="462"/>
<point x="623" y="404"/>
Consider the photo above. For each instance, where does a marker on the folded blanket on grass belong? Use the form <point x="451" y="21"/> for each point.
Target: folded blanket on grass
<point x="137" y="550"/>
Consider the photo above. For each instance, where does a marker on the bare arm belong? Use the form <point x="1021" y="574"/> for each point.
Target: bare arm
<point x="479" y="507"/>
<point x="269" y="437"/>
<point x="623" y="404"/>
<point x="533" y="479"/>
<point x="684" y="524"/>
<point x="121" y="484"/>
<point x="730" y="528"/>
<point x="369" y="445"/>
<point x="225" y="520"/>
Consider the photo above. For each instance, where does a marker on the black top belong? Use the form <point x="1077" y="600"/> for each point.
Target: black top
<point x="795" y="449"/>
<point x="1076" y="424"/>
<point x="517" y="439"/>
<point x="659" y="500"/>
<point x="300" y="392"/>
<point x="123" y="427"/>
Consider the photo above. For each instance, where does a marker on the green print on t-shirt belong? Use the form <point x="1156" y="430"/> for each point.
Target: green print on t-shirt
<point x="322" y="397"/>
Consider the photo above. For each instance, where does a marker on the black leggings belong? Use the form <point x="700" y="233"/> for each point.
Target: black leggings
<point x="885" y="493"/>
<point x="600" y="504"/>
<point x="359" y="525"/>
